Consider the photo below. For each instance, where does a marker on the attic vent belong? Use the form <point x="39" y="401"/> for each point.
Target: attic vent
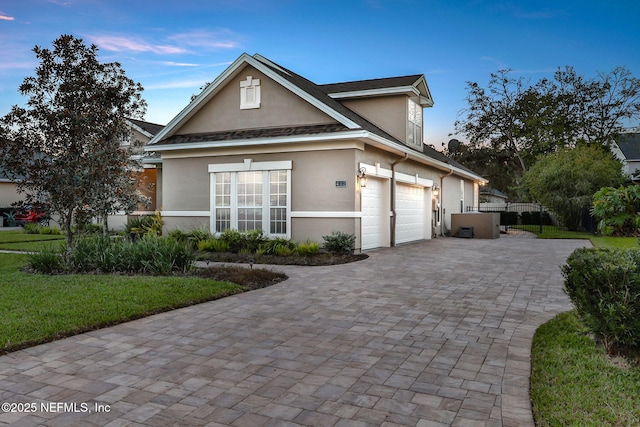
<point x="249" y="93"/>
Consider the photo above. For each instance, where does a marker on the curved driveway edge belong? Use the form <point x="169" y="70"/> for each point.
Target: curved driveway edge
<point x="435" y="333"/>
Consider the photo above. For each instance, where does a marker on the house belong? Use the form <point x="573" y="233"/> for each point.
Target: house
<point x="627" y="149"/>
<point x="264" y="148"/>
<point x="146" y="178"/>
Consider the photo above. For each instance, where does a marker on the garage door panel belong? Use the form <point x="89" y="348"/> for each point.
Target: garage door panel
<point x="410" y="221"/>
<point x="372" y="215"/>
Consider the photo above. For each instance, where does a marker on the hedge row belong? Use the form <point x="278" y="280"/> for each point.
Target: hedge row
<point x="604" y="286"/>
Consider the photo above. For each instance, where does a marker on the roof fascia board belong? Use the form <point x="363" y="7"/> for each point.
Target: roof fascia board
<point x="260" y="141"/>
<point x="425" y="98"/>
<point x="398" y="90"/>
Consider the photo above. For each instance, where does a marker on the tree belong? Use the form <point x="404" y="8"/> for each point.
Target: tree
<point x="566" y="180"/>
<point x="66" y="142"/>
<point x="492" y="119"/>
<point x="527" y="121"/>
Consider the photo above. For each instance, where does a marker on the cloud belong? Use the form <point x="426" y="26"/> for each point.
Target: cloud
<point x="179" y="64"/>
<point x="135" y="44"/>
<point x="176" y="44"/>
<point x="4" y="17"/>
<point x="204" y="39"/>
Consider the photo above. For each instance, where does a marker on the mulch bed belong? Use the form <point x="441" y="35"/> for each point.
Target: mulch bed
<point x="256" y="278"/>
<point x="312" y="260"/>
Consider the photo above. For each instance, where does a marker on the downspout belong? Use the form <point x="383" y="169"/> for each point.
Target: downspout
<point x="442" y="177"/>
<point x="393" y="197"/>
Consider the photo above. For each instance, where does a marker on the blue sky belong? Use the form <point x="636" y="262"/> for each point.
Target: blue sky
<point x="173" y="47"/>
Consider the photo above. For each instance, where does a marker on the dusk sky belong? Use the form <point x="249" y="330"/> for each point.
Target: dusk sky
<point x="174" y="47"/>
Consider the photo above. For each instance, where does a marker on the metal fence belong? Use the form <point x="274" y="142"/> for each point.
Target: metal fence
<point x="532" y="218"/>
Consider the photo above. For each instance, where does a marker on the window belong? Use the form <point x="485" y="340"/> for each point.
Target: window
<point x="254" y="199"/>
<point x="414" y="123"/>
<point x="249" y="93"/>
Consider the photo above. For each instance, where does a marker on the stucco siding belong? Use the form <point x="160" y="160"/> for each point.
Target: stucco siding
<point x="9" y="194"/>
<point x="278" y="107"/>
<point x="389" y="113"/>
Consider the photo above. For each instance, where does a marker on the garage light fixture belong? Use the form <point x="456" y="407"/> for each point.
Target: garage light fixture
<point x="362" y="177"/>
<point x="435" y="191"/>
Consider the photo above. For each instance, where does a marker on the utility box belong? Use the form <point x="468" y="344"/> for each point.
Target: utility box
<point x="465" y="232"/>
<point x="483" y="225"/>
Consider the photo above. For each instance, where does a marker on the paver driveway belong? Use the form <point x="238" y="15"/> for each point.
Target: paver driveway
<point x="428" y="334"/>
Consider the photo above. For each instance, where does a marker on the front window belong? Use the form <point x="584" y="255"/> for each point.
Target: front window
<point x="414" y="123"/>
<point x="252" y="200"/>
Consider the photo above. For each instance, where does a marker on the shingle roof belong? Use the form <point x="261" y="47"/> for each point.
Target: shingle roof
<point x="152" y="128"/>
<point x="322" y="96"/>
<point x="629" y="144"/>
<point x="370" y="84"/>
<point x="255" y="133"/>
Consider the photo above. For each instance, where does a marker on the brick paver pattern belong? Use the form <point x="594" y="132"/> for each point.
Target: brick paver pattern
<point x="435" y="333"/>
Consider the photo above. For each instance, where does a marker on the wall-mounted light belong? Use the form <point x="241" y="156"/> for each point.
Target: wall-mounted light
<point x="362" y="177"/>
<point x="435" y="191"/>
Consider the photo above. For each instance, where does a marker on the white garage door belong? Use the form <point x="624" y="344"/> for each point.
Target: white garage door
<point x="372" y="214"/>
<point x="410" y="221"/>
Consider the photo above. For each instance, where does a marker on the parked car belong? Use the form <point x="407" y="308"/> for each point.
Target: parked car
<point x="32" y="216"/>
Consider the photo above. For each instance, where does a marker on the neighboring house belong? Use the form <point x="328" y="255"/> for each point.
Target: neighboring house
<point x="8" y="191"/>
<point x="492" y="199"/>
<point x="146" y="178"/>
<point x="264" y="148"/>
<point x="143" y="132"/>
<point x="627" y="149"/>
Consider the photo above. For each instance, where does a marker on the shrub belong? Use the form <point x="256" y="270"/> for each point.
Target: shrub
<point x="145" y="224"/>
<point x="604" y="286"/>
<point x="308" y="248"/>
<point x="149" y="254"/>
<point x="270" y="246"/>
<point x="284" y="250"/>
<point x="198" y="235"/>
<point x="340" y="242"/>
<point x="253" y="239"/>
<point x="48" y="260"/>
<point x="31" y="228"/>
<point x="49" y="230"/>
<point x="234" y="239"/>
<point x="213" y="245"/>
<point x="179" y="235"/>
<point x="617" y="210"/>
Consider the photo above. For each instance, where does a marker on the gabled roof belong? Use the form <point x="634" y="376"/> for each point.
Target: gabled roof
<point x="629" y="144"/>
<point x="146" y="128"/>
<point x="351" y="124"/>
<point x="414" y="85"/>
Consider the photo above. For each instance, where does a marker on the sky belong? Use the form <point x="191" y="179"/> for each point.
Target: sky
<point x="173" y="47"/>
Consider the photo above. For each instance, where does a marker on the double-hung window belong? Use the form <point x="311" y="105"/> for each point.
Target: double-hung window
<point x="414" y="123"/>
<point x="251" y="196"/>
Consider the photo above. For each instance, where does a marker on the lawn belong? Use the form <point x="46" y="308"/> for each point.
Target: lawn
<point x="18" y="240"/>
<point x="39" y="308"/>
<point x="573" y="382"/>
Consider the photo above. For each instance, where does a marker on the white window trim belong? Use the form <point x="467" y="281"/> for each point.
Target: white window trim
<point x="249" y="165"/>
<point x="250" y="82"/>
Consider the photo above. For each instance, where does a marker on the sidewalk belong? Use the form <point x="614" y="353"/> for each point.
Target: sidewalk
<point x="436" y="333"/>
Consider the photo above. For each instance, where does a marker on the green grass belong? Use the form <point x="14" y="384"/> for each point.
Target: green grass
<point x="573" y="382"/>
<point x="39" y="308"/>
<point x="553" y="232"/>
<point x="14" y="236"/>
<point x="615" y="242"/>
